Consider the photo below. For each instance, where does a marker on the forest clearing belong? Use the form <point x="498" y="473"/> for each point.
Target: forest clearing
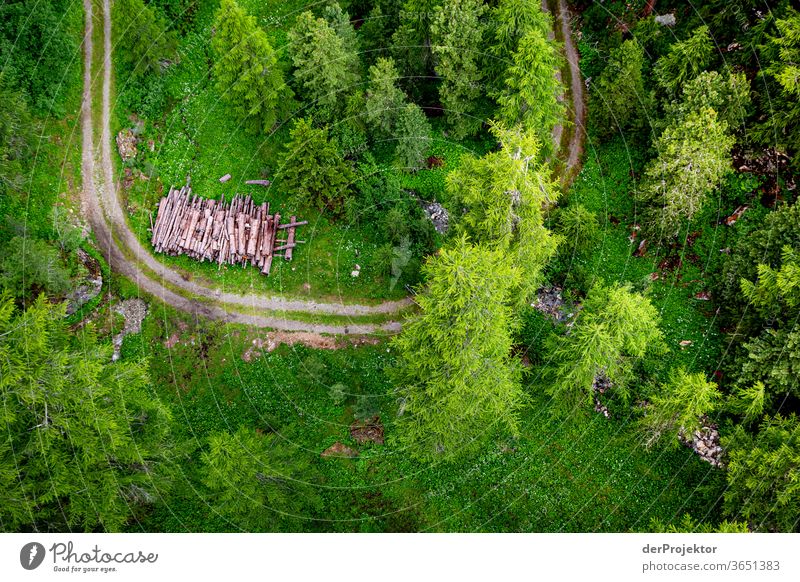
<point x="437" y="266"/>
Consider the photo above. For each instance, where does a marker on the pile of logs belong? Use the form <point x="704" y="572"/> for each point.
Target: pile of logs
<point x="239" y="232"/>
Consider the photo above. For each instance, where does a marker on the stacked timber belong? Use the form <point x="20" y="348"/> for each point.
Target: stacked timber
<point x="240" y="232"/>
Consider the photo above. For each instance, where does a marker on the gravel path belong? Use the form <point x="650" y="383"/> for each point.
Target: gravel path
<point x="102" y="208"/>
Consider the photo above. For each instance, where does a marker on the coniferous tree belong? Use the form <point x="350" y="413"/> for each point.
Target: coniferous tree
<point x="326" y="69"/>
<point x="510" y="21"/>
<point x="675" y="409"/>
<point x="764" y="475"/>
<point x="141" y="36"/>
<point x="693" y="158"/>
<point x="685" y="60"/>
<point x="247" y="71"/>
<point x="411" y="42"/>
<point x="457" y="34"/>
<point x="384" y="101"/>
<point x="85" y="445"/>
<point x="615" y="328"/>
<point x="531" y="91"/>
<point x="619" y="99"/>
<point x="460" y="384"/>
<point x="413" y="135"/>
<point x="313" y="169"/>
<point x="256" y="481"/>
<point x="16" y="137"/>
<point x="499" y="198"/>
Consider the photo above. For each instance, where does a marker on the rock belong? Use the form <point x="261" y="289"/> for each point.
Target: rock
<point x="126" y="145"/>
<point x="665" y="19"/>
<point x="339" y="450"/>
<point x="89" y="288"/>
<point x="355" y="273"/>
<point x="368" y="430"/>
<point x="134" y="312"/>
<point x="438" y="215"/>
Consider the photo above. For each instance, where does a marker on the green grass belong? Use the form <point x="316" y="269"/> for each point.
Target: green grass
<point x="576" y="474"/>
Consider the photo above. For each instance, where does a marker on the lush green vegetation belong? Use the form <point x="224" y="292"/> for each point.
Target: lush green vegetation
<point x="572" y="351"/>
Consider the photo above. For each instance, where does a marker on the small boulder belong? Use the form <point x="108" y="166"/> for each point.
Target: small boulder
<point x="126" y="145"/>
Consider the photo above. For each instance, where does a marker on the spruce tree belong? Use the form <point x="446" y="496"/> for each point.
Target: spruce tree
<point x="326" y="69"/>
<point x="141" y="36"/>
<point x="685" y="60"/>
<point x="246" y="69"/>
<point x="413" y="135"/>
<point x="764" y="475"/>
<point x="384" y="101"/>
<point x="510" y="21"/>
<point x="460" y="385"/>
<point x="85" y="446"/>
<point x="313" y="169"/>
<point x="457" y="36"/>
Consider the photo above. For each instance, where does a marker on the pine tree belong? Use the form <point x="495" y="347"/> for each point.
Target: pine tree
<point x="685" y="60"/>
<point x="246" y="69"/>
<point x="313" y="170"/>
<point x="531" y="91"/>
<point x="413" y="135"/>
<point x="460" y="384"/>
<point x="615" y="328"/>
<point x="693" y="158"/>
<point x="764" y="475"/>
<point x="499" y="198"/>
<point x="85" y="444"/>
<point x="676" y="409"/>
<point x="384" y="100"/>
<point x="326" y="69"/>
<point x="457" y="36"/>
<point x="256" y="481"/>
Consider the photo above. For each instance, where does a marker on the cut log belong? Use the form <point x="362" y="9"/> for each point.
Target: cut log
<point x="290" y="239"/>
<point x="225" y="178"/>
<point x="291" y="224"/>
<point x="258" y="182"/>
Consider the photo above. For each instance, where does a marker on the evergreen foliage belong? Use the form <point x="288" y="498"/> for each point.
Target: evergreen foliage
<point x="142" y="39"/>
<point x="620" y="102"/>
<point x="693" y="158"/>
<point x="85" y="445"/>
<point x="764" y="475"/>
<point x="615" y="328"/>
<point x="457" y="33"/>
<point x="499" y="199"/>
<point x="384" y="101"/>
<point x="413" y="135"/>
<point x="246" y="69"/>
<point x="685" y="60"/>
<point x="313" y="169"/>
<point x="459" y="382"/>
<point x="325" y="68"/>
<point x="676" y="409"/>
<point x="256" y="481"/>
<point x="531" y="91"/>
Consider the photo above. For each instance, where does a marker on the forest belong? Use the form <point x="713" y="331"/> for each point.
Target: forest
<point x="536" y="266"/>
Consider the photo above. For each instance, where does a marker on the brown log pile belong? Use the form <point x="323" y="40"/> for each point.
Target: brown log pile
<point x="240" y="232"/>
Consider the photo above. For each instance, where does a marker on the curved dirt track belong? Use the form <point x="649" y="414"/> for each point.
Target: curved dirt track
<point x="104" y="212"/>
<point x="102" y="208"/>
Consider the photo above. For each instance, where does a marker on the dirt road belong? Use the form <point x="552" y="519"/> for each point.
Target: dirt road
<point x="106" y="216"/>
